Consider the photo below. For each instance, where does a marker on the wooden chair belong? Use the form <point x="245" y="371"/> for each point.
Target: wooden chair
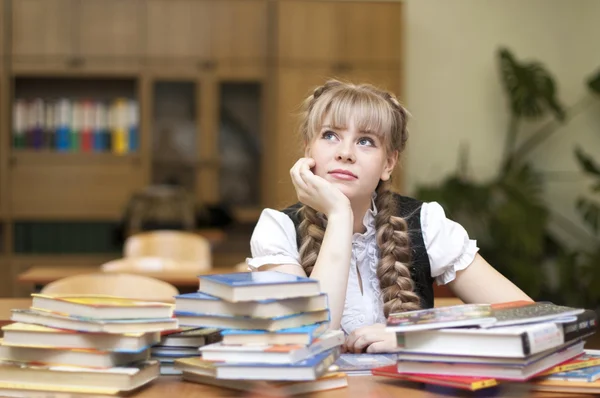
<point x="148" y="265"/>
<point x="138" y="287"/>
<point x="189" y="250"/>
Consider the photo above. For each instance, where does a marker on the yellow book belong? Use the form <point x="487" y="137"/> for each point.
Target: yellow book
<point x="102" y="307"/>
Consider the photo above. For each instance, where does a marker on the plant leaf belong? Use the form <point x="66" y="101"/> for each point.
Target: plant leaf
<point x="530" y="87"/>
<point x="590" y="212"/>
<point x="586" y="162"/>
<point x="593" y="82"/>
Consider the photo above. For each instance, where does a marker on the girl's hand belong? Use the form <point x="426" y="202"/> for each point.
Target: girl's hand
<point x="371" y="339"/>
<point x="315" y="191"/>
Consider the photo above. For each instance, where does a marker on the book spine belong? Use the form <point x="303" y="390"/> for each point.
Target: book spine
<point x="585" y="325"/>
<point x="542" y="337"/>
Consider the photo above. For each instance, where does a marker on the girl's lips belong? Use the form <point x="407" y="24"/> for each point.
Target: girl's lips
<point x="342" y="176"/>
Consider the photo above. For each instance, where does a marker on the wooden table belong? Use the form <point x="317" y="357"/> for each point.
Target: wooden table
<point x="358" y="387"/>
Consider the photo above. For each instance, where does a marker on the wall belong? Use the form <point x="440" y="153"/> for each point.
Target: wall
<point x="454" y="93"/>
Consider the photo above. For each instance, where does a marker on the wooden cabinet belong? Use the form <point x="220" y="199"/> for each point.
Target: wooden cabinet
<point x="109" y="34"/>
<point x="342" y="34"/>
<point x="3" y="24"/>
<point x="76" y="34"/>
<point x="207" y="36"/>
<point x="41" y="33"/>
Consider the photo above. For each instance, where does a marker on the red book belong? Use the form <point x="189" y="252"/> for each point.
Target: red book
<point x="465" y="383"/>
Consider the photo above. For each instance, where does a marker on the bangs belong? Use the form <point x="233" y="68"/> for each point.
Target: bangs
<point x="338" y="108"/>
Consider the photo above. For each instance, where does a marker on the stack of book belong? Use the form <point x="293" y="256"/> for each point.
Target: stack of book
<point x="275" y="328"/>
<point x="81" y="345"/>
<point x="181" y="343"/>
<point x="477" y="346"/>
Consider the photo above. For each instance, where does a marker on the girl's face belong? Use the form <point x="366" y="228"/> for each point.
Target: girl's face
<point x="353" y="160"/>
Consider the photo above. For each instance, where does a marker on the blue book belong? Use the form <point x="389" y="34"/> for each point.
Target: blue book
<point x="202" y="303"/>
<point x="588" y="375"/>
<point x="309" y="369"/>
<point x="249" y="323"/>
<point x="304" y="335"/>
<point x="253" y="286"/>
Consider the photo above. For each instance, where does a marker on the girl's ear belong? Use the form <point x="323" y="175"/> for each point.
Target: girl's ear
<point x="390" y="164"/>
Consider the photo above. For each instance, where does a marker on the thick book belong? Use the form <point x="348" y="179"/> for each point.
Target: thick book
<point x="275" y="354"/>
<point x="117" y="378"/>
<point x="102" y="307"/>
<point x="30" y="335"/>
<point x="521" y="312"/>
<point x="247" y="323"/>
<point x="329" y="381"/>
<point x="71" y="357"/>
<point x="504" y="342"/>
<point x="441" y="317"/>
<point x="253" y="286"/>
<point x="303" y="335"/>
<point x="55" y="320"/>
<point x="461" y="382"/>
<point x="201" y="303"/>
<point x="310" y="369"/>
<point x="517" y="373"/>
<point x="588" y="359"/>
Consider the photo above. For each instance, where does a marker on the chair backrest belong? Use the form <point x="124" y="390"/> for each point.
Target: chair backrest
<point x="180" y="246"/>
<point x="131" y="286"/>
<point x="149" y="265"/>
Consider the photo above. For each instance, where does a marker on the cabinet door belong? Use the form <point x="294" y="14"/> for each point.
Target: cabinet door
<point x="307" y="32"/>
<point x="42" y="33"/>
<point x="239" y="33"/>
<point x="109" y="33"/>
<point x="370" y="32"/>
<point x="284" y="147"/>
<point x="177" y="32"/>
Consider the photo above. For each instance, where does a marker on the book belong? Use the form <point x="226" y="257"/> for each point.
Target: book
<point x="303" y="335"/>
<point x="201" y="303"/>
<point x="588" y="375"/>
<point x="55" y="320"/>
<point x="70" y="357"/>
<point x="253" y="286"/>
<point x="20" y="390"/>
<point x="274" y="354"/>
<point x="329" y="381"/>
<point x="561" y="386"/>
<point x="441" y="317"/>
<point x="362" y="364"/>
<point x="588" y="359"/>
<point x="117" y="378"/>
<point x="520" y="373"/>
<point x="465" y="383"/>
<point x="503" y="342"/>
<point x="247" y="323"/>
<point x="521" y="312"/>
<point x="102" y="307"/>
<point x="309" y="369"/>
<point x="30" y="335"/>
<point x="189" y="337"/>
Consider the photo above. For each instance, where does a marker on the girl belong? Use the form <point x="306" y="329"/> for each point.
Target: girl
<point x="374" y="252"/>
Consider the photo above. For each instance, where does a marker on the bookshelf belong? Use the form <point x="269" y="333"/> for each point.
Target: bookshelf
<point x="216" y="81"/>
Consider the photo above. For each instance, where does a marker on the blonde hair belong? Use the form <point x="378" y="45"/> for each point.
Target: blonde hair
<point x="379" y="112"/>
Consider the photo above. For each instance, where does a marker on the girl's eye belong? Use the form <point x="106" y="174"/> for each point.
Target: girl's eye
<point x="328" y="135"/>
<point x="366" y="141"/>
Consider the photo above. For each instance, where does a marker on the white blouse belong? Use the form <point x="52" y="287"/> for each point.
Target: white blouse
<point x="447" y="243"/>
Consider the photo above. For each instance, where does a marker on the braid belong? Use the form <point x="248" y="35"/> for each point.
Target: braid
<point x="312" y="232"/>
<point x="393" y="271"/>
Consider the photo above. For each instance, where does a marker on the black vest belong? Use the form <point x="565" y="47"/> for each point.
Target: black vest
<point x="420" y="270"/>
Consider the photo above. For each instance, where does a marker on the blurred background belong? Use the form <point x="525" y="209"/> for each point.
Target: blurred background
<point x="123" y="117"/>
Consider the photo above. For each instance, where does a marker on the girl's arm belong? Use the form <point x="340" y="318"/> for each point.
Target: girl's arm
<point x="333" y="262"/>
<point x="481" y="283"/>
